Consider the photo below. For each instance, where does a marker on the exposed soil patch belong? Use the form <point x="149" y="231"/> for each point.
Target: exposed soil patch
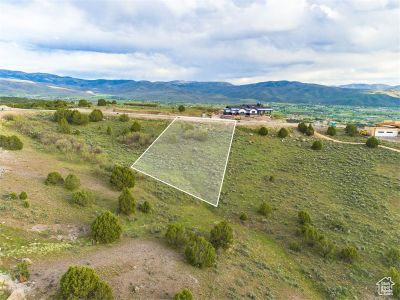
<point x="139" y="269"/>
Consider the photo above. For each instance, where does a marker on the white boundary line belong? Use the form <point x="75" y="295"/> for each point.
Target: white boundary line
<point x="226" y="162"/>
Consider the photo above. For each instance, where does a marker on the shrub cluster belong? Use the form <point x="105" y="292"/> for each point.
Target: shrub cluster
<point x="72" y="116"/>
<point x="317" y="145"/>
<point x="349" y="254"/>
<point x="54" y="178"/>
<point x="282" y="133"/>
<point x="136" y="126"/>
<point x="183" y="294"/>
<point x="145" y="207"/>
<point x="123" y="118"/>
<point x="10" y="142"/>
<point x="83" y="283"/>
<point x="82" y="198"/>
<point x="331" y="131"/>
<point x="133" y="138"/>
<point x="122" y="177"/>
<point x="106" y="228"/>
<point x="181" y="108"/>
<point x="221" y="236"/>
<point x="176" y="235"/>
<point x="265" y="209"/>
<point x="63" y="126"/>
<point x="96" y="115"/>
<point x="372" y="142"/>
<point x="126" y="202"/>
<point x="23" y="196"/>
<point x="351" y="130"/>
<point x="263" y="131"/>
<point x="84" y="103"/>
<point x="72" y="182"/>
<point x="303" y="128"/>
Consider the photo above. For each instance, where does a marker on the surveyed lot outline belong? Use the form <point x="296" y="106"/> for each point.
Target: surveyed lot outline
<point x="191" y="155"/>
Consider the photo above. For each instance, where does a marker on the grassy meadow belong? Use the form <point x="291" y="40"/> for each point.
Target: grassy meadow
<point x="350" y="191"/>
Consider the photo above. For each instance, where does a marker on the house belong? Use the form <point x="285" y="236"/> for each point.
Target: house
<point x="248" y="110"/>
<point x="385" y="286"/>
<point x="384" y="129"/>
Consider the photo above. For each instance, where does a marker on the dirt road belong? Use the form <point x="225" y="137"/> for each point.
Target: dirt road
<point x="134" y="268"/>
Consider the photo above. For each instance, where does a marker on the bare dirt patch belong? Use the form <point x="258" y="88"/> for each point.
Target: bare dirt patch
<point x="139" y="269"/>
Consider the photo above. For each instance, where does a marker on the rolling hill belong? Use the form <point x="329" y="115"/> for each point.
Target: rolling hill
<point x="42" y="85"/>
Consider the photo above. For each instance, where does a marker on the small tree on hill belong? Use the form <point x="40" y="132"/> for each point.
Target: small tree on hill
<point x="96" y="115"/>
<point x="82" y="198"/>
<point x="72" y="182"/>
<point x="145" y="207"/>
<point x="54" y="178"/>
<point x="176" y="235"/>
<point x="199" y="252"/>
<point x="331" y="131"/>
<point x="310" y="130"/>
<point x="263" y="131"/>
<point x="136" y="126"/>
<point x="122" y="177"/>
<point x="23" y="196"/>
<point x="265" y="209"/>
<point x="181" y="108"/>
<point x="349" y="254"/>
<point x="83" y="283"/>
<point x="302" y="127"/>
<point x="317" y="145"/>
<point x="282" y="133"/>
<point x="109" y="131"/>
<point x="101" y="102"/>
<point x="351" y="130"/>
<point x="126" y="202"/>
<point x="221" y="236"/>
<point x="64" y="126"/>
<point x="11" y="142"/>
<point x="84" y="103"/>
<point x="106" y="228"/>
<point x="372" y="142"/>
<point x="183" y="294"/>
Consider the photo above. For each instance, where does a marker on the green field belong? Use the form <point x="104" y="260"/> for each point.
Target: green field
<point x="351" y="192"/>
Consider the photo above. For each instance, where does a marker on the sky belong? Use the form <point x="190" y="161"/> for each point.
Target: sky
<point x="240" y="41"/>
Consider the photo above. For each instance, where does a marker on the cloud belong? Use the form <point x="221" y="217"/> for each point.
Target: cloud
<point x="322" y="41"/>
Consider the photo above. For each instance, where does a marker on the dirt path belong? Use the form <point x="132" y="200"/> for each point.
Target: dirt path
<point x="135" y="269"/>
<point x="319" y="135"/>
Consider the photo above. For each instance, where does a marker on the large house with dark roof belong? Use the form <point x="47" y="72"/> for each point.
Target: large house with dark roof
<point x="248" y="110"/>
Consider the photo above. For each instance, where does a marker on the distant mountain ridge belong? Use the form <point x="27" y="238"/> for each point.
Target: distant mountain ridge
<point x="364" y="86"/>
<point x="43" y="85"/>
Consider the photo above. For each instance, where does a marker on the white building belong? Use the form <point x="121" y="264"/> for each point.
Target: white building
<point x="383" y="131"/>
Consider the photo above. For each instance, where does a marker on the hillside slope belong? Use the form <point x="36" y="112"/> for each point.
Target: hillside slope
<point x="49" y="85"/>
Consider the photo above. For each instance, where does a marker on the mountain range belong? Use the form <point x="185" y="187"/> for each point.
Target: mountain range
<point x="43" y="85"/>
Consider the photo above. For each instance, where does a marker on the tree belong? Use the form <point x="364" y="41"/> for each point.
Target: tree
<point x="317" y="145"/>
<point x="310" y="130"/>
<point x="199" y="252"/>
<point x="331" y="131"/>
<point x="109" y="131"/>
<point x="106" y="228"/>
<point x="351" y="130"/>
<point x="282" y="133"/>
<point x="263" y="131"/>
<point x="82" y="198"/>
<point x="96" y="115"/>
<point x="78" y="118"/>
<point x="145" y="207"/>
<point x="122" y="177"/>
<point x="123" y="118"/>
<point x="83" y="283"/>
<point x="54" y="178"/>
<point x="372" y="142"/>
<point x="126" y="202"/>
<point x="181" y="108"/>
<point x="221" y="236"/>
<point x="265" y="209"/>
<point x="72" y="182"/>
<point x="304" y="217"/>
<point x="302" y="127"/>
<point x="176" y="235"/>
<point x="136" y="126"/>
<point x="101" y="102"/>
<point x="183" y="294"/>
<point x="64" y="126"/>
<point x="84" y="103"/>
<point x="23" y="196"/>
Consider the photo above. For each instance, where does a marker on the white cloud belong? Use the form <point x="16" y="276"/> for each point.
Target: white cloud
<point x="323" y="41"/>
